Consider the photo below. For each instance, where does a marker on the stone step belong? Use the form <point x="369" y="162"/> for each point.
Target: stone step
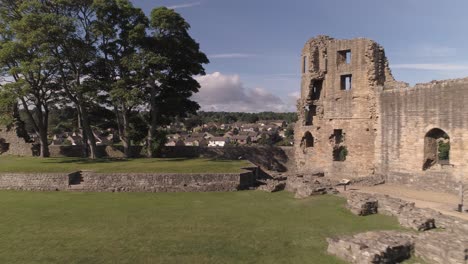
<point x="76" y="187"/>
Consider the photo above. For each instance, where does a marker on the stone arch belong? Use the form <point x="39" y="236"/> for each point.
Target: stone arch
<point x="436" y="148"/>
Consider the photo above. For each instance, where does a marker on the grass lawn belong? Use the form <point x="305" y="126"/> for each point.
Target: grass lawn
<point x="179" y="165"/>
<point x="235" y="227"/>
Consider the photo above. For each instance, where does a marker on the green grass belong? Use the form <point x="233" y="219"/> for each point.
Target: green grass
<point x="179" y="165"/>
<point x="236" y="227"/>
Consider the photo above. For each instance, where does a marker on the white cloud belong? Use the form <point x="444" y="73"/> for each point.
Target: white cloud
<point x="187" y="5"/>
<point x="220" y="92"/>
<point x="230" y="56"/>
<point x="431" y="67"/>
<point x="429" y="50"/>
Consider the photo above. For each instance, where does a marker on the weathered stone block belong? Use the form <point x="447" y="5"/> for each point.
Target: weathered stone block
<point x="372" y="247"/>
<point x="272" y="186"/>
<point x="362" y="204"/>
<point x="442" y="247"/>
<point x="417" y="219"/>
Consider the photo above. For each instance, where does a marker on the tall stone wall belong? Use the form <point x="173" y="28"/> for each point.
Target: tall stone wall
<point x="407" y="115"/>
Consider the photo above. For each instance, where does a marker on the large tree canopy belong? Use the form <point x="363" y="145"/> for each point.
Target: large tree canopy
<point x="97" y="53"/>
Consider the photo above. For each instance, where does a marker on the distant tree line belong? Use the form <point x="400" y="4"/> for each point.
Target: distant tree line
<point x="91" y="63"/>
<point x="232" y="117"/>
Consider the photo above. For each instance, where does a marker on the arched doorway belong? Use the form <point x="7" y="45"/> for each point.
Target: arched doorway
<point x="307" y="141"/>
<point x="436" y="148"/>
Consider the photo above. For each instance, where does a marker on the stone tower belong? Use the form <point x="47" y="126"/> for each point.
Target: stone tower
<point x="338" y="110"/>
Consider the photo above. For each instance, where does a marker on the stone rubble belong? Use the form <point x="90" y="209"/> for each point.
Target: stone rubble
<point x="448" y="244"/>
<point x="272" y="185"/>
<point x="442" y="247"/>
<point x="373" y="247"/>
<point x="362" y="205"/>
<point x="305" y="185"/>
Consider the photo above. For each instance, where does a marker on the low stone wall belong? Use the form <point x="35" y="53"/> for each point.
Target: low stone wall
<point x="146" y="182"/>
<point x="439" y="181"/>
<point x="127" y="182"/>
<point x="34" y="181"/>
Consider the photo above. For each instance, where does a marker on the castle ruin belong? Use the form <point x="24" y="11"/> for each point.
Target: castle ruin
<point x="356" y="120"/>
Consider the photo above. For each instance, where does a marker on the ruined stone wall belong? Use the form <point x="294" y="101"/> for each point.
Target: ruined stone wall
<point x="386" y="127"/>
<point x="407" y="115"/>
<point x="127" y="182"/>
<point x="34" y="181"/>
<point x="333" y="108"/>
<point x="169" y="182"/>
<point x="11" y="144"/>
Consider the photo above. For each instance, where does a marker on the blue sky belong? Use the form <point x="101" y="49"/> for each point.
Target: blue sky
<point x="254" y="45"/>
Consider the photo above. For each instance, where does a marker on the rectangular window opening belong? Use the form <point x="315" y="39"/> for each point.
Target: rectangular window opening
<point x="310" y="113"/>
<point x="346" y="82"/>
<point x="344" y="57"/>
<point x="338" y="135"/>
<point x="317" y="89"/>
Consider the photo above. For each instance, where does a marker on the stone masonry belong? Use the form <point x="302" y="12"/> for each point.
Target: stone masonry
<point x="126" y="182"/>
<point x="12" y="144"/>
<point x="447" y="244"/>
<point x="356" y="120"/>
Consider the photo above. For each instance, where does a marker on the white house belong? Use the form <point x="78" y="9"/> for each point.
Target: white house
<point x="217" y="141"/>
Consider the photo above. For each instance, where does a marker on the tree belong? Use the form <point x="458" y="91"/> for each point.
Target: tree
<point x="171" y="58"/>
<point x="74" y="52"/>
<point x="120" y="28"/>
<point x="26" y="58"/>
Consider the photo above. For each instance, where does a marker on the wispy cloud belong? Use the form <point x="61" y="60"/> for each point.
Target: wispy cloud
<point x="186" y="5"/>
<point x="428" y="50"/>
<point x="432" y="66"/>
<point x="231" y="56"/>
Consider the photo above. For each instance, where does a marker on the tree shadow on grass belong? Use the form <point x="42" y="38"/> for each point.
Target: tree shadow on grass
<point x="89" y="161"/>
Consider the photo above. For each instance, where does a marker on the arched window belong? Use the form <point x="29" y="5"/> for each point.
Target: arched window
<point x="436" y="148"/>
<point x="307" y="140"/>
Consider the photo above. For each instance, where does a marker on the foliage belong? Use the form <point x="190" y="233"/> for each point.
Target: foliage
<point x="233" y="227"/>
<point x="289" y="133"/>
<point x="232" y="117"/>
<point x="444" y="150"/>
<point x="284" y="143"/>
<point x="159" y="140"/>
<point x="97" y="54"/>
<point x="269" y="139"/>
<point x="340" y="153"/>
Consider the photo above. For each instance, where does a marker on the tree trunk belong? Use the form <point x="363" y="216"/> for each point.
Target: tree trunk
<point x="89" y="133"/>
<point x="123" y="126"/>
<point x="44" y="145"/>
<point x="84" y="149"/>
<point x="153" y="124"/>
